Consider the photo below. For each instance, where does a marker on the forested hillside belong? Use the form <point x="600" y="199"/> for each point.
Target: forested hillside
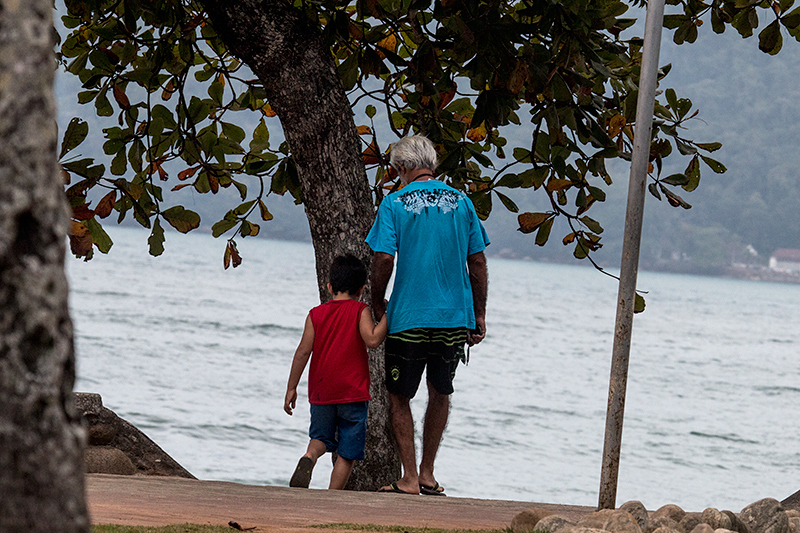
<point x="748" y="100"/>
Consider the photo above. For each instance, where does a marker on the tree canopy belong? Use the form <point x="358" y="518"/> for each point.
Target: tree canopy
<point x="190" y="113"/>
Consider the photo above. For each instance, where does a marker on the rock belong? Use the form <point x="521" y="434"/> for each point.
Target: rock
<point x="715" y="519"/>
<point x="596" y="520"/>
<point x="765" y="516"/>
<point x="702" y="527"/>
<point x="671" y="511"/>
<point x="792" y="502"/>
<point x="586" y="530"/>
<point x="614" y="520"/>
<point x="107" y="430"/>
<point x="689" y="522"/>
<point x="662" y="522"/>
<point x="553" y="523"/>
<point x="666" y="529"/>
<point x="639" y="513"/>
<point x="792" y="527"/>
<point x="107" y="460"/>
<point x="527" y="519"/>
<point x="794" y="520"/>
<point x="723" y="530"/>
<point x="792" y="513"/>
<point x="736" y="524"/>
<point x="622" y="522"/>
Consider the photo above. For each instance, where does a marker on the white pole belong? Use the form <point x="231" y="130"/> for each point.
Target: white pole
<point x="629" y="267"/>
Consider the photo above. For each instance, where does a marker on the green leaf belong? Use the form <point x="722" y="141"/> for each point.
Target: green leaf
<point x="676" y="179"/>
<point x="348" y="71"/>
<point x="99" y="236"/>
<point x="156" y="239"/>
<point x="592" y="224"/>
<point x="716" y="166"/>
<point x="223" y="226"/>
<point x="243" y="208"/>
<point x="792" y="19"/>
<point x="507" y="202"/>
<point x="76" y="132"/>
<point x="181" y="219"/>
<point x="522" y="155"/>
<point x="672" y="100"/>
<point x="215" y="91"/>
<point x="119" y="165"/>
<point x="544" y="231"/>
<point x="709" y="147"/>
<point x="653" y="188"/>
<point x="370" y="111"/>
<point x="103" y="106"/>
<point x="638" y="303"/>
<point x="770" y="39"/>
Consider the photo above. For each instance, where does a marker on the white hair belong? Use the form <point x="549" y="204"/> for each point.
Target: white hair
<point x="412" y="152"/>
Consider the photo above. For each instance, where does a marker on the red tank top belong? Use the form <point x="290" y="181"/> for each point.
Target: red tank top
<point x="339" y="369"/>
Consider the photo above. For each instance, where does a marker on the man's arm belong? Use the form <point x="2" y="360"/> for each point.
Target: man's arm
<point x="479" y="279"/>
<point x="382" y="265"/>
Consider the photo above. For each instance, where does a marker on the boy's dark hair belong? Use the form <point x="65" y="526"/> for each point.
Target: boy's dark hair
<point x="347" y="274"/>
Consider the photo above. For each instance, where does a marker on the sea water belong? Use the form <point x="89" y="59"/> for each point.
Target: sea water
<point x="198" y="357"/>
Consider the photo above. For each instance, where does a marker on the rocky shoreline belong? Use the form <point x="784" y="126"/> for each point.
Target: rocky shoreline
<point x="764" y="516"/>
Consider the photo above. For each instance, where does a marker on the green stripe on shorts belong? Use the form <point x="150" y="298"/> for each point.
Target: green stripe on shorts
<point x="447" y="336"/>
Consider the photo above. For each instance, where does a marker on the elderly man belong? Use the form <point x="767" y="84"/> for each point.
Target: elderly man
<point x="438" y="302"/>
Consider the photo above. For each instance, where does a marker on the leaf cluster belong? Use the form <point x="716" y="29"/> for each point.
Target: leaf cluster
<point x="742" y="15"/>
<point x="465" y="73"/>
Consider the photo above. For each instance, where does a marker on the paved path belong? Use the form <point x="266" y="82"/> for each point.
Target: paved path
<point x="156" y="501"/>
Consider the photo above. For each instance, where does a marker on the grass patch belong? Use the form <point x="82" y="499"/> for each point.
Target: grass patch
<point x="374" y="528"/>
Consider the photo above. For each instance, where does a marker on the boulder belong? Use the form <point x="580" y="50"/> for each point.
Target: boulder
<point x="614" y="520"/>
<point x="666" y="529"/>
<point x="107" y="431"/>
<point x="662" y="522"/>
<point x="639" y="513"/>
<point x="792" y="502"/>
<point x="554" y="523"/>
<point x="715" y="519"/>
<point x="527" y="519"/>
<point x="107" y="460"/>
<point x="689" y="522"/>
<point x="765" y="516"/>
<point x="702" y="527"/>
<point x="671" y="511"/>
<point x="736" y="524"/>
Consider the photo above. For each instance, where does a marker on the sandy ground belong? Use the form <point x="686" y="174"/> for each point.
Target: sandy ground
<point x="156" y="501"/>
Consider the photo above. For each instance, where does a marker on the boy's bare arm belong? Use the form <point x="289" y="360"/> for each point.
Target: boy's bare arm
<point x="373" y="334"/>
<point x="301" y="356"/>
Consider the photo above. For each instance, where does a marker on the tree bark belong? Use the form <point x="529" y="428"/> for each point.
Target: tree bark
<point x="41" y="440"/>
<point x="287" y="53"/>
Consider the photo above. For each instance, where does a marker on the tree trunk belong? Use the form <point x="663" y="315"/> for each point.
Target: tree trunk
<point x="41" y="442"/>
<point x="288" y="55"/>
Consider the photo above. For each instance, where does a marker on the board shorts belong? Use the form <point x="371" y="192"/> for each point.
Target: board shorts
<point x="409" y="352"/>
<point x="342" y="427"/>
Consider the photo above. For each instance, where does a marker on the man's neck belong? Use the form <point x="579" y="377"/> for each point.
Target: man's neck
<point x="419" y="174"/>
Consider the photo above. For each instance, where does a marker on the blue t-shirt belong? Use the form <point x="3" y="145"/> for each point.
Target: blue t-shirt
<point x="432" y="228"/>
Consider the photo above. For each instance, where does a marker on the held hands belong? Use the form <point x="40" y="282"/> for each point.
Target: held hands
<point x="290" y="401"/>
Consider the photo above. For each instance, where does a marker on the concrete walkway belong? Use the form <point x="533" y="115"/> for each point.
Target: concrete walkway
<point x="158" y="501"/>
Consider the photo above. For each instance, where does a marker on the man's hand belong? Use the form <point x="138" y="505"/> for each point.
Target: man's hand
<point x="290" y="401"/>
<point x="474" y="337"/>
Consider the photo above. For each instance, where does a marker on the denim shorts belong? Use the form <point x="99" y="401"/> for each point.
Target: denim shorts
<point x="342" y="427"/>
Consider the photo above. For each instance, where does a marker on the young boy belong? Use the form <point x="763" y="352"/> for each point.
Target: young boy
<point x="337" y="333"/>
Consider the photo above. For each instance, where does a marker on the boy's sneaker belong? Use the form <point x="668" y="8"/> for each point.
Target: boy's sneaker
<point x="302" y="474"/>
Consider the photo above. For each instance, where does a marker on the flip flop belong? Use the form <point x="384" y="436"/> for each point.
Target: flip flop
<point x="435" y="490"/>
<point x="302" y="474"/>
<point x="395" y="489"/>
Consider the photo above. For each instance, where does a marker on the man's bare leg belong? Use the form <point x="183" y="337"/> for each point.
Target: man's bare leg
<point x="403" y="429"/>
<point x="435" y="423"/>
